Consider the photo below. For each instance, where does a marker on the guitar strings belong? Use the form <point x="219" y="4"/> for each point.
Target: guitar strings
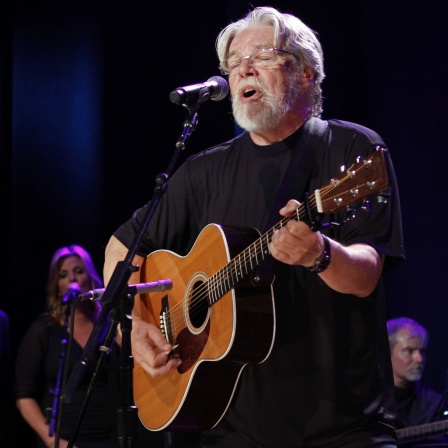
<point x="226" y="278"/>
<point x="223" y="281"/>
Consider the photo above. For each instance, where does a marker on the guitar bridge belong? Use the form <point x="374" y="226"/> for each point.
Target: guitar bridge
<point x="165" y="320"/>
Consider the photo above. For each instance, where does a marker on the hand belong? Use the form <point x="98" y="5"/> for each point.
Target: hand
<point x="62" y="443"/>
<point x="118" y="336"/>
<point x="151" y="349"/>
<point x="296" y="243"/>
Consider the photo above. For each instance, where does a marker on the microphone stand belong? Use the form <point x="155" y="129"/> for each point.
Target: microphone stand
<point x="127" y="413"/>
<point x="117" y="295"/>
<point x="104" y="349"/>
<point x="58" y="386"/>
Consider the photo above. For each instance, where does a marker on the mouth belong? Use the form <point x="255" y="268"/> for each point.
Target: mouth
<point x="249" y="93"/>
<point x="416" y="371"/>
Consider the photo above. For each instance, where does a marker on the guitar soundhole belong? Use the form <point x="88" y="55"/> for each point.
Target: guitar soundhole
<point x="198" y="306"/>
<point x="192" y="340"/>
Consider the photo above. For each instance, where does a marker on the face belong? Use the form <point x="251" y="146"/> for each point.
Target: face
<point x="408" y="358"/>
<point x="263" y="96"/>
<point x="73" y="271"/>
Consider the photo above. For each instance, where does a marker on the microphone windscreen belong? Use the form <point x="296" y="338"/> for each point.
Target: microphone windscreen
<point x="222" y="89"/>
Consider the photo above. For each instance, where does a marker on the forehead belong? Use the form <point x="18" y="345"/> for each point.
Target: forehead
<point x="250" y="38"/>
<point x="70" y="262"/>
<point x="407" y="338"/>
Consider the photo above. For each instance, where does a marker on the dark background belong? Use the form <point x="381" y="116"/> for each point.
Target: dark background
<point x="86" y="125"/>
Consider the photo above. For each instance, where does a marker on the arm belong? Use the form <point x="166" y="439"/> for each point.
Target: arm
<point x="30" y="379"/>
<point x="30" y="411"/>
<point x="149" y="347"/>
<point x="354" y="269"/>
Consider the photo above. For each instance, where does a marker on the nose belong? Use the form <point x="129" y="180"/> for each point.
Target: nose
<point x="246" y="68"/>
<point x="419" y="356"/>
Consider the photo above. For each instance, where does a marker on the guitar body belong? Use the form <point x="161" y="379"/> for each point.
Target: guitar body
<point x="216" y="338"/>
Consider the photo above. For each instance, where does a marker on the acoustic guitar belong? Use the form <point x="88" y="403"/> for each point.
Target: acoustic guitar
<point x="220" y="312"/>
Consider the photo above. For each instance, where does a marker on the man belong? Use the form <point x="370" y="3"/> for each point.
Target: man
<point x="325" y="379"/>
<point x="417" y="403"/>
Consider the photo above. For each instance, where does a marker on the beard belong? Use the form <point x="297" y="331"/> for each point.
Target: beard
<point x="270" y="110"/>
<point x="414" y="373"/>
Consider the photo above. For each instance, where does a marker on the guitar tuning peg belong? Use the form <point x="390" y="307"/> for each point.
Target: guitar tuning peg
<point x="366" y="206"/>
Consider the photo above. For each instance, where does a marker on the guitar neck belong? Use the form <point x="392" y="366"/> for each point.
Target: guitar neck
<point x="251" y="257"/>
<point x="363" y="179"/>
<point x="415" y="433"/>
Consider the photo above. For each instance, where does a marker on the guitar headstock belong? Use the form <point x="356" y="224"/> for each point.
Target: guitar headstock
<point x="362" y="180"/>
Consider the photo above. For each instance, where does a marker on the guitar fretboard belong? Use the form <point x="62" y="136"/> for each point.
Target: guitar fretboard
<point x="251" y="257"/>
<point x="363" y="179"/>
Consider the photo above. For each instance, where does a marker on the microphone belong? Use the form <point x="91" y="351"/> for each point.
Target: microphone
<point x="139" y="288"/>
<point x="71" y="293"/>
<point x="216" y="88"/>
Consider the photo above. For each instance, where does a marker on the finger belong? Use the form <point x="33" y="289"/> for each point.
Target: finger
<point x="163" y="366"/>
<point x="289" y="208"/>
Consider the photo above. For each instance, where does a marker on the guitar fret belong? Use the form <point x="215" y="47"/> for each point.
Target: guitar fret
<point x="255" y="258"/>
<point x="236" y="271"/>
<point x="238" y="268"/>
<point x="217" y="285"/>
<point x="259" y="249"/>
<point x="223" y="282"/>
<point x="267" y="241"/>
<point x="252" y="257"/>
<point x="234" y="276"/>
<point x="215" y="290"/>
<point x="210" y="290"/>
<point x="248" y="260"/>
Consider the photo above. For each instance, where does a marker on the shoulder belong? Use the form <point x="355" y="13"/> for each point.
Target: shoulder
<point x="42" y="332"/>
<point x="350" y="130"/>
<point x="425" y="392"/>
<point x="221" y="149"/>
<point x="44" y="323"/>
<point x="212" y="158"/>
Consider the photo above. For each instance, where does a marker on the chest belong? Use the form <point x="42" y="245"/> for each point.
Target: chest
<point x="242" y="192"/>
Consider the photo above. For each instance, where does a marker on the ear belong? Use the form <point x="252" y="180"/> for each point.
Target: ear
<point x="308" y="74"/>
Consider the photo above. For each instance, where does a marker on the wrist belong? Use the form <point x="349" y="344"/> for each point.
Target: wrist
<point x="323" y="261"/>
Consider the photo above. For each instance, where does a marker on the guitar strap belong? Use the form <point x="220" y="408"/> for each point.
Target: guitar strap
<point x="300" y="166"/>
<point x="296" y="179"/>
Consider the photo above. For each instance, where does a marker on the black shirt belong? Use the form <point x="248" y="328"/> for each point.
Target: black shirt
<point x="327" y="381"/>
<point x="36" y="372"/>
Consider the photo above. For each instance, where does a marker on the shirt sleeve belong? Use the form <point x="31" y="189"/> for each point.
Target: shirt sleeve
<point x="29" y="366"/>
